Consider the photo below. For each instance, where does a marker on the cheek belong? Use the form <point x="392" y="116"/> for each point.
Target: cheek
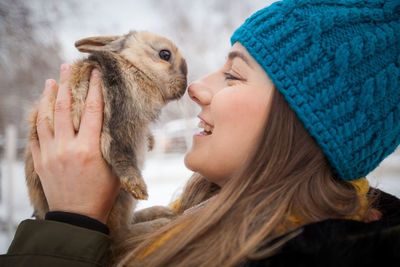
<point x="239" y="120"/>
<point x="241" y="117"/>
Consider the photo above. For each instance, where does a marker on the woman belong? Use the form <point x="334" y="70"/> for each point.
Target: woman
<point x="306" y="105"/>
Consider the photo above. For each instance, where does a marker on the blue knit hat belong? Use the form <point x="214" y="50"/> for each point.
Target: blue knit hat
<point x="337" y="62"/>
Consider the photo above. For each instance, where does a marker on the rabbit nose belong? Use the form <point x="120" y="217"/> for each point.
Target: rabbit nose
<point x="183" y="67"/>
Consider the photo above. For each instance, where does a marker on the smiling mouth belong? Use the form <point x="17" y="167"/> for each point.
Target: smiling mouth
<point x="207" y="129"/>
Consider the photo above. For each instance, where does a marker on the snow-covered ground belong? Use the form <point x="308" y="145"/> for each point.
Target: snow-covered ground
<point x="165" y="176"/>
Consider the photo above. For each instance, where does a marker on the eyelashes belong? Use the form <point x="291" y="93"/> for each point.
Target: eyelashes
<point x="229" y="76"/>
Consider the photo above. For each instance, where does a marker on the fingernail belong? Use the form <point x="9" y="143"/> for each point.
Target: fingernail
<point x="65" y="67"/>
<point x="49" y="83"/>
<point x="95" y="73"/>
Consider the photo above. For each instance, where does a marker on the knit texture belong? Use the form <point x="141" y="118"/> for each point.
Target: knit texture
<point x="337" y="62"/>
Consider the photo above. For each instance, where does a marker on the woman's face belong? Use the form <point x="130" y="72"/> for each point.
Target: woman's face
<point x="234" y="103"/>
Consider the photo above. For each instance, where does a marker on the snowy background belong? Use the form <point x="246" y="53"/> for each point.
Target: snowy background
<point x="37" y="36"/>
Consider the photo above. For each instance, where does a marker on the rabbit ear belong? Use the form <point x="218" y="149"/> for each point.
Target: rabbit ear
<point x="100" y="43"/>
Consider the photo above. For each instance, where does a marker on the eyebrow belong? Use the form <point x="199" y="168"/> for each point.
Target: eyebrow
<point x="238" y="54"/>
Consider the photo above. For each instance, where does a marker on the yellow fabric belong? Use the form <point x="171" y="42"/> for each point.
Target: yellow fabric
<point x="361" y="185"/>
<point x="175" y="205"/>
<point x="161" y="241"/>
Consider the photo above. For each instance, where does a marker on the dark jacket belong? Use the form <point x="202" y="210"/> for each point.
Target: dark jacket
<point x="51" y="243"/>
<point x="339" y="242"/>
<point x="326" y="243"/>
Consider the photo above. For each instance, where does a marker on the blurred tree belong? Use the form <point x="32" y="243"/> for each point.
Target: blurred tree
<point x="29" y="53"/>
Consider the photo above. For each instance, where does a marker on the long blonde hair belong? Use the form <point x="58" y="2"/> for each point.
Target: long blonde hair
<point x="287" y="175"/>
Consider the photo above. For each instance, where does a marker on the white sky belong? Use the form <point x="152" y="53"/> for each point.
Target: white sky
<point x="120" y="16"/>
<point x="104" y="18"/>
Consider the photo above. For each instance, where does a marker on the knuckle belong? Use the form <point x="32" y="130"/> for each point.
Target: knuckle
<point x="44" y="164"/>
<point x="41" y="119"/>
<point x="60" y="153"/>
<point x="93" y="106"/>
<point x="60" y="156"/>
<point x="62" y="105"/>
<point x="79" y="153"/>
<point x="83" y="153"/>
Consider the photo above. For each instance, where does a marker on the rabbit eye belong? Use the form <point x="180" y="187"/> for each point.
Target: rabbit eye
<point x="165" y="55"/>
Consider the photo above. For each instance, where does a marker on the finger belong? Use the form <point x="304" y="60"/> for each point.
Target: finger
<point x="42" y="120"/>
<point x="63" y="127"/>
<point x="92" y="118"/>
<point x="36" y="156"/>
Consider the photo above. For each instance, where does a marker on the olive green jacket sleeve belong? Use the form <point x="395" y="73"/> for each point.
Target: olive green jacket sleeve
<point x="51" y="243"/>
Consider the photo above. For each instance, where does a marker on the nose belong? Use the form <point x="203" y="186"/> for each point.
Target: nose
<point x="200" y="92"/>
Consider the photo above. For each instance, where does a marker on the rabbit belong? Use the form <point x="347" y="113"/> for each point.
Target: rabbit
<point x="141" y="73"/>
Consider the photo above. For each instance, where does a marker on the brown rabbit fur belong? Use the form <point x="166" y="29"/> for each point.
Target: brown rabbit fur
<point x="141" y="72"/>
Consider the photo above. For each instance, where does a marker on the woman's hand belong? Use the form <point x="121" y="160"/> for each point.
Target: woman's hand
<point x="73" y="173"/>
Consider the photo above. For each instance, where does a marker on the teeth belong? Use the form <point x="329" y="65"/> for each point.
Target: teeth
<point x="206" y="127"/>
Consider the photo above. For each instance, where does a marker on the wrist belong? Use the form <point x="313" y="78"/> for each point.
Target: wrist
<point x="77" y="220"/>
<point x="90" y="213"/>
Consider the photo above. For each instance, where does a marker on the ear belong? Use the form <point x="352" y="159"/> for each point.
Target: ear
<point x="100" y="43"/>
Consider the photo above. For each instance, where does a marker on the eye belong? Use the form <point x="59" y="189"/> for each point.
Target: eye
<point x="165" y="55"/>
<point x="229" y="76"/>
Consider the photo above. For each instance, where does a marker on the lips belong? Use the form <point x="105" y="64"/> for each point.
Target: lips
<point x="206" y="122"/>
<point x="206" y="126"/>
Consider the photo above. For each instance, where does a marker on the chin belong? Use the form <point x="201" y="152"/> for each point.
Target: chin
<point x="188" y="161"/>
<point x="194" y="163"/>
